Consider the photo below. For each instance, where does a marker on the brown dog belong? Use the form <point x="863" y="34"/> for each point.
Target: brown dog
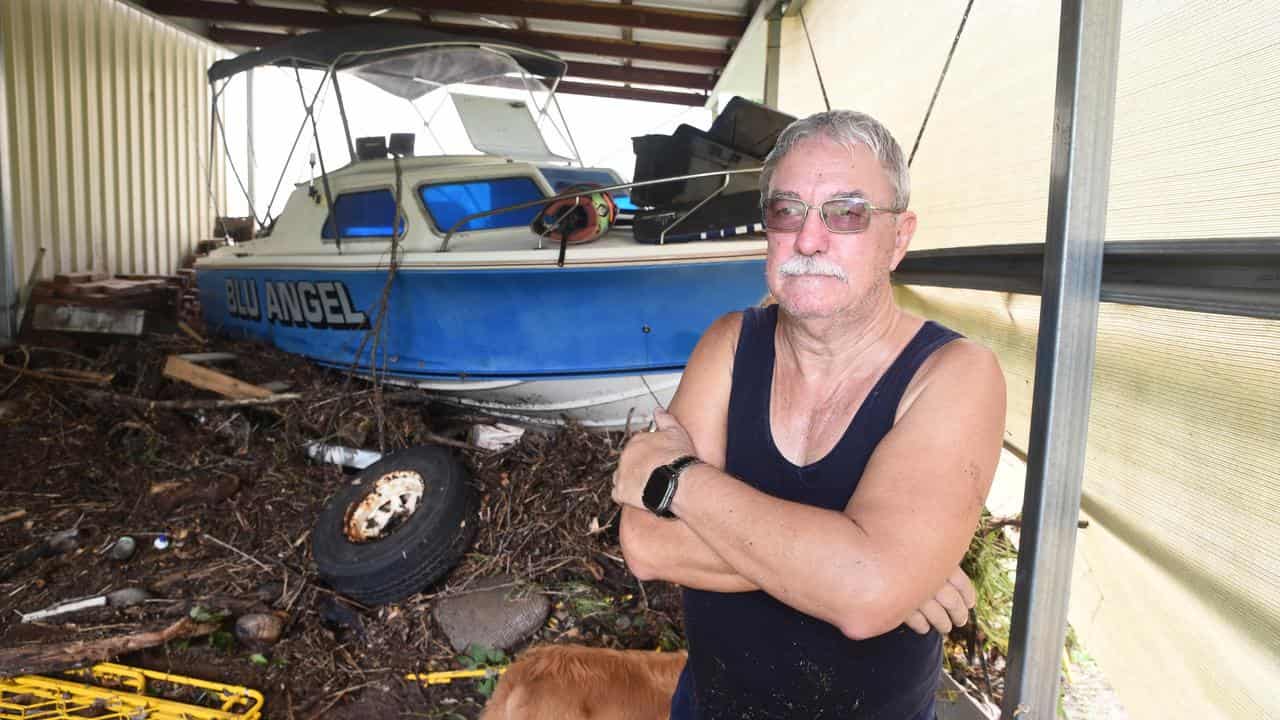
<point x="572" y="682"/>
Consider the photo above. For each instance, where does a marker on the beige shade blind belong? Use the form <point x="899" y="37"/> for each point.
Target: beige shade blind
<point x="1174" y="589"/>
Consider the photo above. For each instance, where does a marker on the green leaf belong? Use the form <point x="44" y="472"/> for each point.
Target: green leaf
<point x="222" y="640"/>
<point x="259" y="659"/>
<point x="202" y="615"/>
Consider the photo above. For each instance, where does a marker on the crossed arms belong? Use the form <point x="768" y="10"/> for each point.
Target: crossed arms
<point x="890" y="557"/>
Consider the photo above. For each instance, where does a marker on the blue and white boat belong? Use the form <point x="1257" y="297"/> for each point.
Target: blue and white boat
<point x="492" y="315"/>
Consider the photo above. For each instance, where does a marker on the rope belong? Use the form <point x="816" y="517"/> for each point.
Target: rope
<point x="938" y="87"/>
<point x="374" y="334"/>
<point x="816" y="70"/>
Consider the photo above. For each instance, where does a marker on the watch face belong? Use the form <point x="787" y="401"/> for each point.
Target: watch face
<point x="656" y="489"/>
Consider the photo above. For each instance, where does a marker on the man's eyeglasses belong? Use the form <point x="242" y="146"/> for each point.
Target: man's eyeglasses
<point x="840" y="215"/>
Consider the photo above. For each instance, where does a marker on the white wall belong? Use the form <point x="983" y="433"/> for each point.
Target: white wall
<point x="107" y="117"/>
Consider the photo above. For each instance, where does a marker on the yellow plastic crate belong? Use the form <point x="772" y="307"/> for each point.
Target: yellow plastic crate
<point x="111" y="692"/>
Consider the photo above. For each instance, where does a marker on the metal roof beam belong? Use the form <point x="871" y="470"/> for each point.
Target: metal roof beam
<point x="261" y="15"/>
<point x="584" y="11"/>
<point x="643" y="76"/>
<point x="632" y="93"/>
<point x="585" y="70"/>
<point x="587" y="45"/>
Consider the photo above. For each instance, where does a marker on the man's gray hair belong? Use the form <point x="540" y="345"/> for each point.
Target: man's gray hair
<point x="846" y="127"/>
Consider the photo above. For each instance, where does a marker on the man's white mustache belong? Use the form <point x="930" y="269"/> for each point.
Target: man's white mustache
<point x="812" y="265"/>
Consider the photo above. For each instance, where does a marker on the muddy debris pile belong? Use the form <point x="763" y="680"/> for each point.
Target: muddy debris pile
<point x="180" y="517"/>
<point x="159" y="508"/>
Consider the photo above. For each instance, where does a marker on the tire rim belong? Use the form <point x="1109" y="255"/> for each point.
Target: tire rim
<point x="393" y="498"/>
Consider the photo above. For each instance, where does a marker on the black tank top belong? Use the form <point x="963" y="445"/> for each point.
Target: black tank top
<point x="751" y="656"/>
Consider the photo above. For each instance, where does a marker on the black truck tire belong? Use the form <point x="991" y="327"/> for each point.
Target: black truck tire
<point x="403" y="523"/>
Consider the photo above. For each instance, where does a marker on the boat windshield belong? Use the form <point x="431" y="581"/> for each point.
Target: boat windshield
<point x="412" y="75"/>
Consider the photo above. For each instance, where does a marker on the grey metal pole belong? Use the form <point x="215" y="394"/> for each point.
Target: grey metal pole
<point x="773" y="56"/>
<point x="251" y="159"/>
<point x="8" y="286"/>
<point x="342" y="110"/>
<point x="1088" y="47"/>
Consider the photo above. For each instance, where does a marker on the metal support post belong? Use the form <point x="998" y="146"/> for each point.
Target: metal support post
<point x="8" y="287"/>
<point x="251" y="160"/>
<point x="773" y="56"/>
<point x="1088" y="47"/>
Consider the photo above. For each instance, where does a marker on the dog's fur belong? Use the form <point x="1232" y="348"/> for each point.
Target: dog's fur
<point x="572" y="682"/>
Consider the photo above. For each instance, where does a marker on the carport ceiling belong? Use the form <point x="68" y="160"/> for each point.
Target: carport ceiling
<point x="670" y="53"/>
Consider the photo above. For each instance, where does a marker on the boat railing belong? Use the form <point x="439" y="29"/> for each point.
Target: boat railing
<point x="662" y="237"/>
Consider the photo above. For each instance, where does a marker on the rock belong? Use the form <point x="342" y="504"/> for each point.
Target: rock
<point x="123" y="548"/>
<point x="259" y="629"/>
<point x="269" y="591"/>
<point x="63" y="542"/>
<point x="9" y="409"/>
<point x="340" y="619"/>
<point x="495" y="613"/>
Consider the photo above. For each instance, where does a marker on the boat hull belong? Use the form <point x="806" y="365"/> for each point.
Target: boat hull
<point x="597" y="344"/>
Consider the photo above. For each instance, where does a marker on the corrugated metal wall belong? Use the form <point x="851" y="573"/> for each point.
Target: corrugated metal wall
<point x="107" y="137"/>
<point x="1174" y="582"/>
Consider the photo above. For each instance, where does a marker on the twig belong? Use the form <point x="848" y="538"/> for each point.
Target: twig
<point x="1016" y="521"/>
<point x="334" y="698"/>
<point x="64" y="375"/>
<point x="189" y="404"/>
<point x="51" y="657"/>
<point x="237" y="551"/>
<point x="191" y="332"/>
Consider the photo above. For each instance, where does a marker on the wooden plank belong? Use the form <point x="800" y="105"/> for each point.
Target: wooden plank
<point x="78" y="318"/>
<point x="212" y="380"/>
<point x="114" y="288"/>
<point x="72" y="278"/>
<point x="150" y="278"/>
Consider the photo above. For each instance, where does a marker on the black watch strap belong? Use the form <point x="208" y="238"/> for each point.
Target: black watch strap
<point x="661" y="488"/>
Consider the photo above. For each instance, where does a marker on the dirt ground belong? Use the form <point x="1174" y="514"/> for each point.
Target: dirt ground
<point x="235" y="494"/>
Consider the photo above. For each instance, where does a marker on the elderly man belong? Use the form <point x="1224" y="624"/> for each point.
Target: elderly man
<point x="824" y="462"/>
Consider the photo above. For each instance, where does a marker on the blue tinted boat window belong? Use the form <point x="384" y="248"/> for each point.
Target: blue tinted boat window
<point x="561" y="178"/>
<point x="449" y="203"/>
<point x="364" y="214"/>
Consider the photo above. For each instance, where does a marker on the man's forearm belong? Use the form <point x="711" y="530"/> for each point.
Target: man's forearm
<point x="816" y="561"/>
<point x="664" y="549"/>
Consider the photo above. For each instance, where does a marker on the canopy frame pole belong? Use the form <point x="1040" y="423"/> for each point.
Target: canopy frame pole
<point x="1084" y="114"/>
<point x="284" y="169"/>
<point x="342" y="111"/>
<point x="231" y="162"/>
<point x="426" y="125"/>
<point x="213" y="145"/>
<point x="568" y="134"/>
<point x="331" y="211"/>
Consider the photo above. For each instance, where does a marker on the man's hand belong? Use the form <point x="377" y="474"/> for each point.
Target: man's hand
<point x="948" y="608"/>
<point x="646" y="451"/>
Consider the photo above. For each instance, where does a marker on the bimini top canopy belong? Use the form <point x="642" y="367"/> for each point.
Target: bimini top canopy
<point x="400" y="59"/>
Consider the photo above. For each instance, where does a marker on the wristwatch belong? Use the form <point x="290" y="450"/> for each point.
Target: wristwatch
<point x="661" y="487"/>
